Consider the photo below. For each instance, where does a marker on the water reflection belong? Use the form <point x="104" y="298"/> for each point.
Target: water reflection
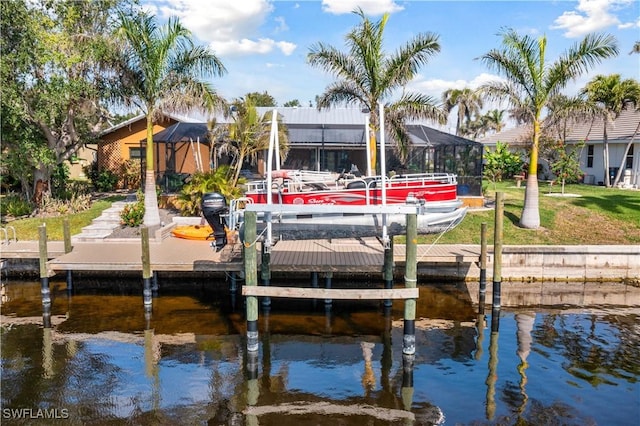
<point x="105" y="358"/>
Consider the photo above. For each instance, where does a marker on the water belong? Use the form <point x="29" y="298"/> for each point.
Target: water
<point x="105" y="361"/>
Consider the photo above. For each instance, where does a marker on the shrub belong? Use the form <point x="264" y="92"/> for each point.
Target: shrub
<point x="103" y="180"/>
<point x="50" y="206"/>
<point x="130" y="173"/>
<point x="133" y="214"/>
<point x="501" y="163"/>
<point x="190" y="197"/>
<point x="14" y="205"/>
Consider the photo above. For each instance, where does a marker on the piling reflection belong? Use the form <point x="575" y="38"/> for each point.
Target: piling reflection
<point x="183" y="361"/>
<point x="492" y="376"/>
<point x="524" y="324"/>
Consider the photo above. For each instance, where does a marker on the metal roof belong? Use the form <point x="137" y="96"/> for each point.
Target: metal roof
<point x="183" y="132"/>
<point x="308" y="125"/>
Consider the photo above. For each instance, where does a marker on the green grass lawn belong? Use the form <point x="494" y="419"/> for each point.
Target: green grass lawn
<point x="598" y="216"/>
<point x="27" y="229"/>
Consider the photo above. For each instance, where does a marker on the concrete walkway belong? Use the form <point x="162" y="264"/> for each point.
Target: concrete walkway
<point x="102" y="226"/>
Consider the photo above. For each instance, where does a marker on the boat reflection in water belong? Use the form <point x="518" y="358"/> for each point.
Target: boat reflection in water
<point x="98" y="357"/>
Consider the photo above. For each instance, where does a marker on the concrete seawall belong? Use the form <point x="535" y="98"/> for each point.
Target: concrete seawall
<point x="549" y="263"/>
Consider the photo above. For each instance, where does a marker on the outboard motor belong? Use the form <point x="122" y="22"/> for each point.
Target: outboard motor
<point x="213" y="207"/>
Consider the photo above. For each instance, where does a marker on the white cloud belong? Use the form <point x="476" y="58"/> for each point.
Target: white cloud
<point x="247" y="46"/>
<point x="370" y="7"/>
<point x="590" y="16"/>
<point x="282" y="24"/>
<point x="229" y="27"/>
<point x="435" y="87"/>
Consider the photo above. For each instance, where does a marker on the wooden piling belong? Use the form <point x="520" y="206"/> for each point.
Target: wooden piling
<point x="265" y="272"/>
<point x="388" y="270"/>
<point x="327" y="284"/>
<point x="483" y="264"/>
<point x="44" y="256"/>
<point x="410" y="281"/>
<point x="233" y="282"/>
<point x="154" y="284"/>
<point x="251" y="279"/>
<point x="497" y="249"/>
<point x="146" y="265"/>
<point x="492" y="376"/>
<point x="66" y="230"/>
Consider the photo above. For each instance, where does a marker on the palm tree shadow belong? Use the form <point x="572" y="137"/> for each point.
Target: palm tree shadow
<point x="515" y="220"/>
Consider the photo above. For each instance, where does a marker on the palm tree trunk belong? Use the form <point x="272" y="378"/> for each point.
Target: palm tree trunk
<point x="151" y="211"/>
<point x="531" y="212"/>
<point x="624" y="156"/>
<point x="605" y="156"/>
<point x="373" y="147"/>
<point x="236" y="175"/>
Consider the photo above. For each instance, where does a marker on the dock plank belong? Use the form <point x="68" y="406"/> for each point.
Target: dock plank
<point x="333" y="293"/>
<point x="30" y="249"/>
<point x="353" y="255"/>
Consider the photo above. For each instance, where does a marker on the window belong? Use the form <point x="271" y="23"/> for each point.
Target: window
<point x="589" y="155"/>
<point x="629" y="162"/>
<point x="136" y="153"/>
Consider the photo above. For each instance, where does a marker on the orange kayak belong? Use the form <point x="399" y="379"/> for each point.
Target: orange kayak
<point x="193" y="232"/>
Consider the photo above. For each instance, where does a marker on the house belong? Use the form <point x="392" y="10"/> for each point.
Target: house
<point x="620" y="132"/>
<point x="126" y="141"/>
<point x="330" y="139"/>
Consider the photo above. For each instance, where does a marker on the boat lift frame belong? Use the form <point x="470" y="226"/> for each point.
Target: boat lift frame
<point x="384" y="209"/>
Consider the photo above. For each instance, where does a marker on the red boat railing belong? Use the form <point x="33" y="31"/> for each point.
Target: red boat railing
<point x="294" y="182"/>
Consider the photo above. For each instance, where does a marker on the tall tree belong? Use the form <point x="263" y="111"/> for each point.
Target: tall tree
<point x="495" y="119"/>
<point x="611" y="95"/>
<point x="248" y="135"/>
<point x="530" y="81"/>
<point x="563" y="113"/>
<point x="468" y="102"/>
<point x="164" y="72"/>
<point x="56" y="67"/>
<point x="292" y="103"/>
<point x="263" y="99"/>
<point x="367" y="76"/>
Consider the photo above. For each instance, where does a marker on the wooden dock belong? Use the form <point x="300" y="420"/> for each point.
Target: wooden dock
<point x="29" y="249"/>
<point x="352" y="255"/>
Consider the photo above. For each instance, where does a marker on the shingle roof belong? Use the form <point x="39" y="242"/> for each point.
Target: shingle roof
<point x="622" y="129"/>
<point x="514" y="136"/>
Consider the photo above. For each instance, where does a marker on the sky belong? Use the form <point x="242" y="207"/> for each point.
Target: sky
<point x="264" y="44"/>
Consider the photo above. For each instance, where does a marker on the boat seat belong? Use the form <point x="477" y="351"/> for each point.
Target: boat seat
<point x="317" y="186"/>
<point x="361" y="184"/>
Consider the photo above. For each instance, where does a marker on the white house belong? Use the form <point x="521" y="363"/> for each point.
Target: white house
<point x="620" y="132"/>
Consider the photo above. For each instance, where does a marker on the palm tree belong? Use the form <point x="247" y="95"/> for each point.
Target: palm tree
<point x="563" y="112"/>
<point x="531" y="81"/>
<point x="367" y="76"/>
<point x="163" y="72"/>
<point x="495" y="119"/>
<point x="248" y="135"/>
<point x="636" y="48"/>
<point x="611" y="95"/>
<point x="469" y="104"/>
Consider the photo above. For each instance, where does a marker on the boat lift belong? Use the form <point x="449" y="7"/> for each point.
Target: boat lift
<point x="384" y="209"/>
